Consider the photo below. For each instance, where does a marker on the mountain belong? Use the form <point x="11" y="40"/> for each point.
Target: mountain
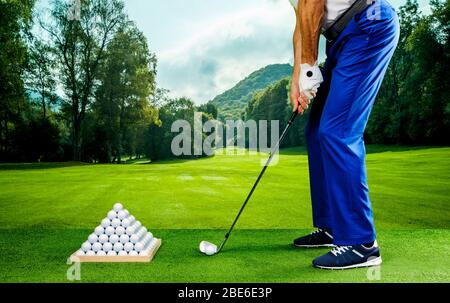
<point x="232" y="103"/>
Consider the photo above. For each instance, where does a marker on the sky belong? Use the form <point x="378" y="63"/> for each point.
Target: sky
<point x="205" y="47"/>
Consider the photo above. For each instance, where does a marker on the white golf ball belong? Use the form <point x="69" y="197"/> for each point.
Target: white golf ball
<point x="210" y="250"/>
<point x="99" y="231"/>
<point x="118" y="207"/>
<point x="90" y="253"/>
<point x="112" y="215"/>
<point x="139" y="246"/>
<point x="134" y="239"/>
<point x="113" y="239"/>
<point x="132" y="219"/>
<point x="86" y="246"/>
<point x="145" y="230"/>
<point x="124" y="239"/>
<point x="120" y="231"/>
<point x="133" y="253"/>
<point x="148" y="237"/>
<point x="110" y="231"/>
<point x="122" y="253"/>
<point x="131" y="230"/>
<point x="101" y="253"/>
<point x="107" y="247"/>
<point x="140" y="233"/>
<point x="121" y="215"/>
<point x="128" y="247"/>
<point x="137" y="224"/>
<point x="79" y="253"/>
<point x="126" y="223"/>
<point x="106" y="222"/>
<point x="111" y="253"/>
<point x="93" y="238"/>
<point x="103" y="239"/>
<point x="118" y="247"/>
<point x="126" y="212"/>
<point x="144" y="253"/>
<point x="96" y="247"/>
<point x="115" y="222"/>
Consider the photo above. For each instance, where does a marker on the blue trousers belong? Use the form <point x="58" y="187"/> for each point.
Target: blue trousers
<point x="356" y="64"/>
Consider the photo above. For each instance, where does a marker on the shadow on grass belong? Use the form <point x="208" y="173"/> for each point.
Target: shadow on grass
<point x="28" y="166"/>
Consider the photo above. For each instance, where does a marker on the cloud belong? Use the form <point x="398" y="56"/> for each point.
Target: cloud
<point x="215" y="58"/>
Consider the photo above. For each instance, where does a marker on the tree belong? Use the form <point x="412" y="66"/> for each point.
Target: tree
<point x="15" y="21"/>
<point x="123" y="98"/>
<point x="80" y="45"/>
<point x="39" y="74"/>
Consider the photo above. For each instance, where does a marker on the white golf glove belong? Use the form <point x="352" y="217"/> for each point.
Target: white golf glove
<point x="310" y="79"/>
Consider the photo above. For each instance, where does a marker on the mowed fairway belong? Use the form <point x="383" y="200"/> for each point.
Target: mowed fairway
<point x="48" y="210"/>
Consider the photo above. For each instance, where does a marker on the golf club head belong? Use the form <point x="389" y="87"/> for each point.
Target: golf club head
<point x="208" y="248"/>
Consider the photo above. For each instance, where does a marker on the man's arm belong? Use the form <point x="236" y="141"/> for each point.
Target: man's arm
<point x="309" y="15"/>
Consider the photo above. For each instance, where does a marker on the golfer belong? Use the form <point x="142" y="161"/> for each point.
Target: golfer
<point x="361" y="39"/>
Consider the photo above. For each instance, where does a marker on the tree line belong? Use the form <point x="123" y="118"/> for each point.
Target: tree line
<point x="102" y="64"/>
<point x="413" y="106"/>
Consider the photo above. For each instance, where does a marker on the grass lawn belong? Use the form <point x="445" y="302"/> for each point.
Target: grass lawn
<point x="48" y="210"/>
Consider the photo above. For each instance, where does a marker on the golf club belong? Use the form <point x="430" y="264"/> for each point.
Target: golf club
<point x="209" y="248"/>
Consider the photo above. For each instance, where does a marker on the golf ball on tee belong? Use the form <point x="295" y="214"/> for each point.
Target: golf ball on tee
<point x="121" y="215"/>
<point x="99" y="231"/>
<point x="96" y="247"/>
<point x="90" y="253"/>
<point x="101" y="253"/>
<point x="103" y="239"/>
<point x="113" y="239"/>
<point x="125" y="223"/>
<point x="86" y="246"/>
<point x="110" y="231"/>
<point x="106" y="222"/>
<point x="118" y="247"/>
<point x="120" y="230"/>
<point x="93" y="238"/>
<point x="115" y="222"/>
<point x="124" y="239"/>
<point x="118" y="207"/>
<point x="129" y="247"/>
<point x="107" y="247"/>
<point x="111" y="253"/>
<point x="112" y="215"/>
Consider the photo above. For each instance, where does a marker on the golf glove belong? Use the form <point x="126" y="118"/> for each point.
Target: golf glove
<point x="310" y="79"/>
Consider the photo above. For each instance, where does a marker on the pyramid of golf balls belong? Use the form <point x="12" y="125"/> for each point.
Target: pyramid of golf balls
<point x="119" y="234"/>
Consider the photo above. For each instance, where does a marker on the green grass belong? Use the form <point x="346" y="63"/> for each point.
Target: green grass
<point x="48" y="210"/>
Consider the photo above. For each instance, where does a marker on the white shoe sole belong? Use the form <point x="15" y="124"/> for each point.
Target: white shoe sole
<point x="375" y="262"/>
<point x="315" y="246"/>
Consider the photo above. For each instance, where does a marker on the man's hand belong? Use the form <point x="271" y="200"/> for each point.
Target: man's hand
<point x="300" y="102"/>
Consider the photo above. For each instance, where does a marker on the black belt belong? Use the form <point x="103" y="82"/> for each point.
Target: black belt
<point x="341" y="23"/>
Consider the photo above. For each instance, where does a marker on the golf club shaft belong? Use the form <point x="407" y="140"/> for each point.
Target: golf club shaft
<point x="272" y="154"/>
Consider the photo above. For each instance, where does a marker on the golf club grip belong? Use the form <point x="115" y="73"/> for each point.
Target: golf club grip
<point x="272" y="154"/>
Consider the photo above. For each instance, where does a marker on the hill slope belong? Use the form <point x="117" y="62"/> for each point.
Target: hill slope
<point x="232" y="102"/>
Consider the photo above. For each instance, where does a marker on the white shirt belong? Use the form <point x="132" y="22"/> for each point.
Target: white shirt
<point x="333" y="10"/>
